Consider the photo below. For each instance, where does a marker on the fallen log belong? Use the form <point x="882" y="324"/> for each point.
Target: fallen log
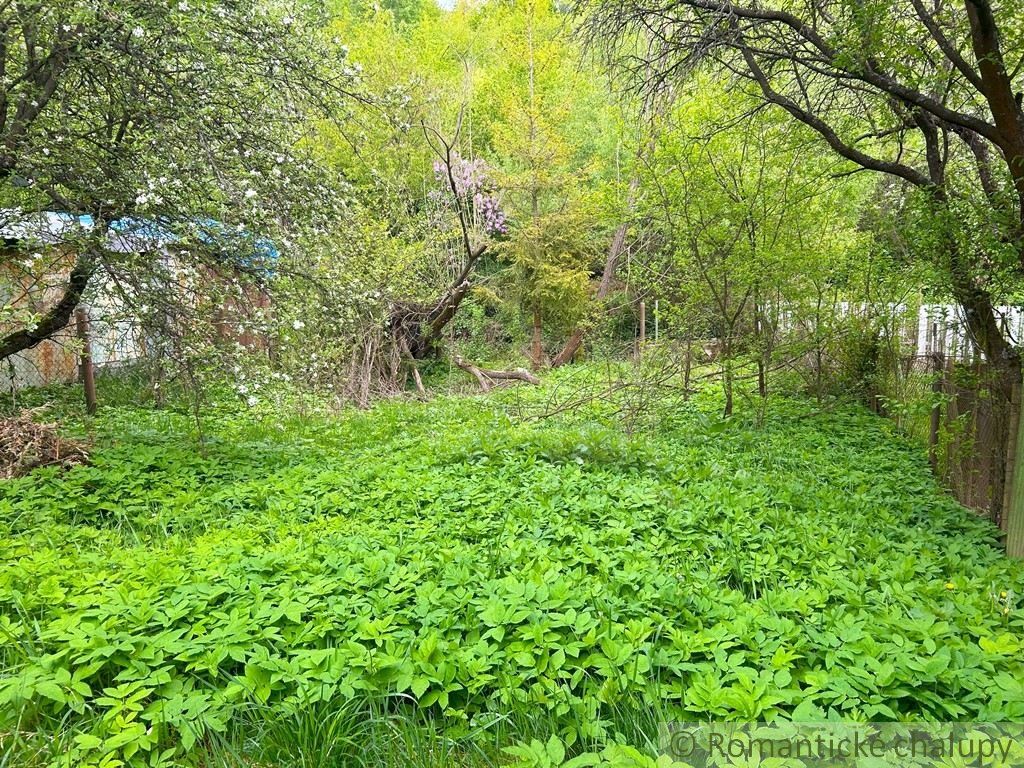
<point x="487" y="378"/>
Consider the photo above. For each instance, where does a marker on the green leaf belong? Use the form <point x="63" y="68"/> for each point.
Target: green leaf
<point x="51" y="690"/>
<point x="420" y="685"/>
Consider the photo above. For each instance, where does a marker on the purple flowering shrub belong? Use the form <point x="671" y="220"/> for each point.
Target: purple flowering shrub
<point x="472" y="182"/>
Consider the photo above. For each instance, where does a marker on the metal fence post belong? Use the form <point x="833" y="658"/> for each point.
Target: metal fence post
<point x="938" y="371"/>
<point x="643" y="329"/>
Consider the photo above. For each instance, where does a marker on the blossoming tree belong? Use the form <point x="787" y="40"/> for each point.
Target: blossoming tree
<point x="182" y="120"/>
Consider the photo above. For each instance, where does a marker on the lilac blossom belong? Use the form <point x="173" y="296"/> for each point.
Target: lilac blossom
<point x="472" y="183"/>
<point x="488" y="209"/>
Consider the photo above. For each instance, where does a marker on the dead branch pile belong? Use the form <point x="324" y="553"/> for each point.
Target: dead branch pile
<point x="26" y="444"/>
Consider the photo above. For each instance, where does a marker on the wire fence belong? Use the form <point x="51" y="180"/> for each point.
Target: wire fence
<point x="114" y="342"/>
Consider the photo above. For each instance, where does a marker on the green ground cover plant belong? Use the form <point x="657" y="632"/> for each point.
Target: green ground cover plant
<point x="495" y="579"/>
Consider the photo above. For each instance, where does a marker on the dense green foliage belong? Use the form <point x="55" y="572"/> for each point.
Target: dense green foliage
<point x="131" y="125"/>
<point x="334" y="203"/>
<point x="478" y="562"/>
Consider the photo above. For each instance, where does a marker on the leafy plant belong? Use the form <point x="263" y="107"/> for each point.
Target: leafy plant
<point x="472" y="566"/>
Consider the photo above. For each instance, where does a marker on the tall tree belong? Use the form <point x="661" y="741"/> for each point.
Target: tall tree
<point x="545" y="120"/>
<point x="748" y="216"/>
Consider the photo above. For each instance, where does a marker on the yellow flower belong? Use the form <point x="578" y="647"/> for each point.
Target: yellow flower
<point x="1003" y="594"/>
<point x="1005" y="611"/>
<point x="950" y="585"/>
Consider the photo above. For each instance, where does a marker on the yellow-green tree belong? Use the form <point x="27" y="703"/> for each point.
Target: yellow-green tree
<point x="546" y="121"/>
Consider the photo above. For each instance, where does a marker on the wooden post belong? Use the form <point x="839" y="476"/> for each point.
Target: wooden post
<point x="656" y="314"/>
<point x="1013" y="513"/>
<point x="86" y="371"/>
<point x="1012" y="448"/>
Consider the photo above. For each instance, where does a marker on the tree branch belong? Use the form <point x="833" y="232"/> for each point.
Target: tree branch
<point x="58" y="316"/>
<point x="827" y="132"/>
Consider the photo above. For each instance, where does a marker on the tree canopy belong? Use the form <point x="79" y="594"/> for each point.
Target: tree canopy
<point x="180" y="113"/>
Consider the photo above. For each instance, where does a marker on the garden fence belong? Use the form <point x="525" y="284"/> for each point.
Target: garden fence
<point x="937" y="389"/>
<point x="114" y="343"/>
<point x="940" y="365"/>
<point x="965" y="443"/>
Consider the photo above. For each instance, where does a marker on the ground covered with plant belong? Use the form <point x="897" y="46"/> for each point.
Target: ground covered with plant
<point x="473" y="573"/>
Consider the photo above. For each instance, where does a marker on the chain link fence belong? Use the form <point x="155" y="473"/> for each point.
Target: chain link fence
<point x="114" y="342"/>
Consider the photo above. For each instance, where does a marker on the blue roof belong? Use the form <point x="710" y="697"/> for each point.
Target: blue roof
<point x="206" y="231"/>
<point x="132" y="234"/>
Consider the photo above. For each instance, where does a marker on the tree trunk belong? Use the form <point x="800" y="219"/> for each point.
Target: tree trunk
<point x="727" y="385"/>
<point x="997" y="88"/>
<point x="417" y="329"/>
<point x="537" y="349"/>
<point x="58" y="316"/>
<point x="568" y="352"/>
<point x="611" y="263"/>
<point x="486" y="378"/>
<point x="445" y="309"/>
<point x="86" y="370"/>
<point x="727" y="373"/>
<point x="1004" y="373"/>
<point x="642" y="341"/>
<point x="686" y="368"/>
<point x="762" y="373"/>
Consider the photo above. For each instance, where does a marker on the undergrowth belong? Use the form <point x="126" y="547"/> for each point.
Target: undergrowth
<point x="433" y="583"/>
